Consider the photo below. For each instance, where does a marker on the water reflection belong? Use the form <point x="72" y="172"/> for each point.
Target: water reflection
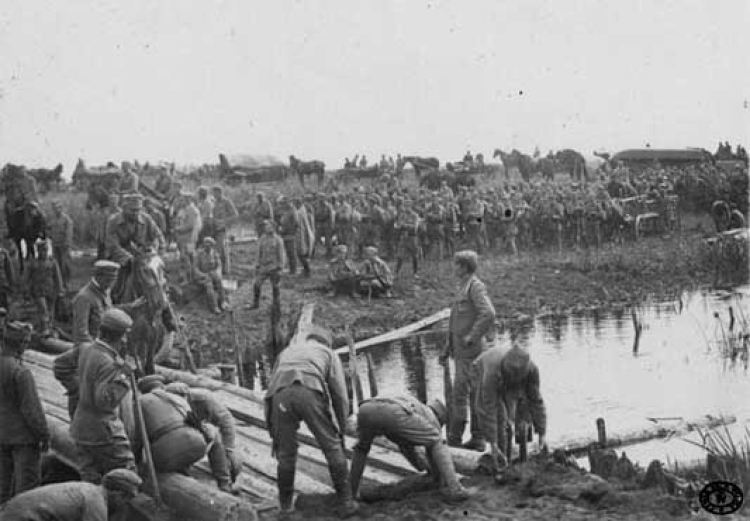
<point x="588" y="369"/>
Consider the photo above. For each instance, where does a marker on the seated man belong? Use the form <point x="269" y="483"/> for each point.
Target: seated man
<point x="178" y="438"/>
<point x="408" y="423"/>
<point x="342" y="274"/>
<point x="376" y="275"/>
<point x="208" y="275"/>
<point x="76" y="499"/>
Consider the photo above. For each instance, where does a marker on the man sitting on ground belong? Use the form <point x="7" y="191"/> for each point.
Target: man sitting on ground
<point x="377" y="278"/>
<point x="208" y="275"/>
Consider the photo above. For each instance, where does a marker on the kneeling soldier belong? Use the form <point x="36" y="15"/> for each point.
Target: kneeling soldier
<point x="408" y="423"/>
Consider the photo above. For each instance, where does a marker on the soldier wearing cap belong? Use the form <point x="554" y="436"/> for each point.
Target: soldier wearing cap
<point x="376" y="278"/>
<point x="24" y="433"/>
<point x="342" y="274"/>
<point x="97" y="427"/>
<point x="76" y="500"/>
<point x="288" y="229"/>
<point x="325" y="218"/>
<point x="308" y="385"/>
<point x="187" y="227"/>
<point x="103" y="217"/>
<point x="472" y="320"/>
<point x="225" y="215"/>
<point x="270" y="263"/>
<point x="129" y="180"/>
<point x="44" y="284"/>
<point x="208" y="275"/>
<point x="407" y="227"/>
<point x="508" y="392"/>
<point x="60" y="232"/>
<point x="263" y="212"/>
<point x="205" y="204"/>
<point x="408" y="423"/>
<point x="132" y="232"/>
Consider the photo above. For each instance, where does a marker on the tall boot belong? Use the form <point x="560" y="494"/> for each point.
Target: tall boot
<point x="286" y="488"/>
<point x="340" y="476"/>
<point x="456" y="432"/>
<point x="450" y="487"/>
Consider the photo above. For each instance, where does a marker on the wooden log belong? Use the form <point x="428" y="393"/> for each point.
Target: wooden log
<point x="397" y="491"/>
<point x="371" y="378"/>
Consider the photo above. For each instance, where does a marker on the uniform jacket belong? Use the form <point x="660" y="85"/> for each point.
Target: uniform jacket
<point x="103" y="385"/>
<point x="497" y="403"/>
<point x="123" y="237"/>
<point x="60" y="230"/>
<point x="472" y="314"/>
<point x="288" y="224"/>
<point x="21" y="413"/>
<point x="70" y="501"/>
<point x="318" y="368"/>
<point x="188" y="224"/>
<point x="128" y="183"/>
<point x="43" y="278"/>
<point x="207" y="261"/>
<point x="264" y="211"/>
<point x="271" y="254"/>
<point x="341" y="269"/>
<point x="224" y="213"/>
<point x="207" y="408"/>
<point x="88" y="306"/>
<point x="377" y="268"/>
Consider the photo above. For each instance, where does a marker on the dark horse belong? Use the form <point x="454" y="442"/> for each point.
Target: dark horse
<point x="573" y="163"/>
<point x="525" y="164"/>
<point x="25" y="224"/>
<point x="305" y="168"/>
<point x="421" y="163"/>
<point x="46" y="179"/>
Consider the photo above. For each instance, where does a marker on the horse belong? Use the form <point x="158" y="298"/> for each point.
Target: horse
<point x="525" y="164"/>
<point x="47" y="179"/>
<point x="421" y="163"/>
<point x="26" y="224"/>
<point x="306" y="168"/>
<point x="573" y="163"/>
<point x="155" y="319"/>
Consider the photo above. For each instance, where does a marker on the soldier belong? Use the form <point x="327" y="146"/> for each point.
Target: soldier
<point x="100" y="233"/>
<point x="474" y="220"/>
<point x="363" y="162"/>
<point x="150" y="208"/>
<point x="96" y="427"/>
<point x="187" y="226"/>
<point x="407" y="227"/>
<point x="305" y="239"/>
<point x="60" y="232"/>
<point x="132" y="232"/>
<point x="408" y="423"/>
<point x="325" y="219"/>
<point x="375" y="277"/>
<point x="508" y="392"/>
<point x="434" y="218"/>
<point x="288" y="229"/>
<point x="209" y="410"/>
<point x="308" y="385"/>
<point x="263" y="212"/>
<point x="208" y="275"/>
<point x="270" y="264"/>
<point x="450" y="226"/>
<point x="205" y="204"/>
<point x="75" y="500"/>
<point x="342" y="274"/>
<point x="24" y="435"/>
<point x="129" y="180"/>
<point x="344" y="228"/>
<point x="6" y="277"/>
<point x="225" y="215"/>
<point x="472" y="320"/>
<point x="44" y="284"/>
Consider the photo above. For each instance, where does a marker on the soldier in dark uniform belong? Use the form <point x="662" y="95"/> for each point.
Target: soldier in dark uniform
<point x="44" y="284"/>
<point x="325" y="218"/>
<point x="435" y="230"/>
<point x="407" y="227"/>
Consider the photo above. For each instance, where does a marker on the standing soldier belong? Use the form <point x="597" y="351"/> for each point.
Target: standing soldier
<point x="325" y="220"/>
<point x="112" y="209"/>
<point x="43" y="283"/>
<point x="474" y="220"/>
<point x="128" y="181"/>
<point x="388" y="232"/>
<point x="97" y="427"/>
<point x="60" y="232"/>
<point x="344" y="230"/>
<point x="407" y="228"/>
<point x="308" y="385"/>
<point x="206" y="208"/>
<point x="270" y="264"/>
<point x="24" y="435"/>
<point x="288" y="228"/>
<point x="508" y="392"/>
<point x="434" y="217"/>
<point x="305" y="239"/>
<point x="263" y="212"/>
<point x="225" y="215"/>
<point x="472" y="319"/>
<point x="208" y="275"/>
<point x="6" y="277"/>
<point x="187" y="227"/>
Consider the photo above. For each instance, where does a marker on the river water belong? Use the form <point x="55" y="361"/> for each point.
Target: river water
<point x="589" y="370"/>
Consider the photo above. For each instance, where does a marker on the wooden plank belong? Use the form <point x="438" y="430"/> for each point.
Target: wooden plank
<point x="398" y="333"/>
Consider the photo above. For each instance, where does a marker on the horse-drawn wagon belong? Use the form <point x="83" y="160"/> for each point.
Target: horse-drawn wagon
<point x="651" y="215"/>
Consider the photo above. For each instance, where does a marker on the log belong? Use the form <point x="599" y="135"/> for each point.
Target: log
<point x="304" y="322"/>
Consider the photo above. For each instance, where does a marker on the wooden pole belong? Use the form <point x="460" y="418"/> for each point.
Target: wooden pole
<point x="601" y="431"/>
<point x="354" y="374"/>
<point x="371" y="375"/>
<point x="141" y="426"/>
<point x="238" y="357"/>
<point x="448" y="389"/>
<point x="421" y="371"/>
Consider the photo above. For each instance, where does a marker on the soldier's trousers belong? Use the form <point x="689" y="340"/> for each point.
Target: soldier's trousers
<point x="464" y="397"/>
<point x="221" y="248"/>
<point x="290" y="406"/>
<point x="19" y="469"/>
<point x="275" y="277"/>
<point x="97" y="460"/>
<point x="45" y="308"/>
<point x="62" y="256"/>
<point x="290" y="245"/>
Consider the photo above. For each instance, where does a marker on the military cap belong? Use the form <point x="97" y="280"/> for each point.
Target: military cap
<point x="514" y="366"/>
<point x="321" y="335"/>
<point x="371" y="250"/>
<point x="178" y="388"/>
<point x="468" y="258"/>
<point x="57" y="203"/>
<point x="116" y="320"/>
<point x="123" y="480"/>
<point x="341" y="248"/>
<point x="217" y="188"/>
<point x="106" y="268"/>
<point x="132" y="202"/>
<point x="150" y="382"/>
<point x="209" y="240"/>
<point x="438" y="407"/>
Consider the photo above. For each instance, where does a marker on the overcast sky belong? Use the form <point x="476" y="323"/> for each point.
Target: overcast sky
<point x="184" y="80"/>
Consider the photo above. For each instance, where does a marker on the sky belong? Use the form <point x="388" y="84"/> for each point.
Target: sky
<point x="184" y="80"/>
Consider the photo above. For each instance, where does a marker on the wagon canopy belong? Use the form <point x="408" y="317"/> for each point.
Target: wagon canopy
<point x="664" y="156"/>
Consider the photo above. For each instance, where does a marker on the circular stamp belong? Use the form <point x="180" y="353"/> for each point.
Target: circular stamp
<point x="721" y="498"/>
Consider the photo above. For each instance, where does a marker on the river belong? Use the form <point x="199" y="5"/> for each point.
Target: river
<point x="589" y="370"/>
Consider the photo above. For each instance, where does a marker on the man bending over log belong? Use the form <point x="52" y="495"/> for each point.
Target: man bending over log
<point x="408" y="423"/>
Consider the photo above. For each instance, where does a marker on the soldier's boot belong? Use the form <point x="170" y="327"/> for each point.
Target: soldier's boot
<point x="475" y="443"/>
<point x="347" y="506"/>
<point x="450" y="487"/>
<point x="212" y="301"/>
<point x="456" y="432"/>
<point x="286" y="489"/>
